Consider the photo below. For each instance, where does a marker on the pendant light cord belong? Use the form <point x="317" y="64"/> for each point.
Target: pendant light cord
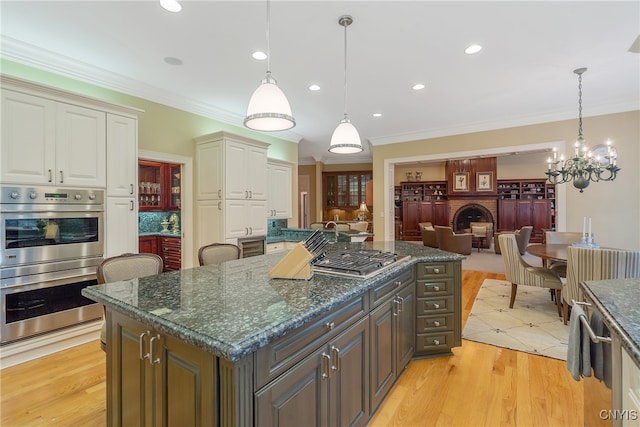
<point x="268" y="43"/>
<point x="345" y="70"/>
<point x="580" y="105"/>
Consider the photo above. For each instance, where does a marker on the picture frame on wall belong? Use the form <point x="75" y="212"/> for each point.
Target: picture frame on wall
<point x="461" y="181"/>
<point x="484" y="181"/>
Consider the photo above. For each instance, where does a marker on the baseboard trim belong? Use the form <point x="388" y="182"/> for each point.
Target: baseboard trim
<point x="43" y="345"/>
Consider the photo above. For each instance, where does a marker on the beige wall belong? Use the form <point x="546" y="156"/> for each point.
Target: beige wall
<point x="613" y="206"/>
<point x="308" y="172"/>
<point x="165" y="129"/>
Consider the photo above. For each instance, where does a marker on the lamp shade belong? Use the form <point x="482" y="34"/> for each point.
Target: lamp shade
<point x="363" y="207"/>
<point x="345" y="139"/>
<point x="269" y="108"/>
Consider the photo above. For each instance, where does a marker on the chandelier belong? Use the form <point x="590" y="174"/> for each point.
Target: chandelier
<point x="597" y="164"/>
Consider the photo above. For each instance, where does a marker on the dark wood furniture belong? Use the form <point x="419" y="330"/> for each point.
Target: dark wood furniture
<point x="159" y="186"/>
<point x="423" y="201"/>
<point x="345" y="189"/>
<point x="554" y="252"/>
<point x="526" y="202"/>
<point x="167" y="247"/>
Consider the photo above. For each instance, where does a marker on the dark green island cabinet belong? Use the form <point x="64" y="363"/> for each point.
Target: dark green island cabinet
<point x="225" y="345"/>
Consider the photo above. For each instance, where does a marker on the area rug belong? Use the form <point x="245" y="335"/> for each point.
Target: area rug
<point x="532" y="325"/>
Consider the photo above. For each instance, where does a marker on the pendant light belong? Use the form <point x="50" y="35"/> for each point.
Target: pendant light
<point x="345" y="138"/>
<point x="269" y="108"/>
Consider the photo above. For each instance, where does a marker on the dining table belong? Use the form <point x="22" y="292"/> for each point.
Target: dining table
<point x="549" y="252"/>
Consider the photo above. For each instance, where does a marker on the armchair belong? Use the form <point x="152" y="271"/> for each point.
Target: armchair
<point x="428" y="234"/>
<point x="522" y="239"/>
<point x="481" y="229"/>
<point x="448" y="241"/>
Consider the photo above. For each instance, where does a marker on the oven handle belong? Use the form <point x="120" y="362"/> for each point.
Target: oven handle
<point x="585" y="322"/>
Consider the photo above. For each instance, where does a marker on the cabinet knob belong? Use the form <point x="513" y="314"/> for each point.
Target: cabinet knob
<point x="436" y="305"/>
<point x="436" y="270"/>
<point x="436" y="342"/>
<point x="436" y="288"/>
<point x="436" y="323"/>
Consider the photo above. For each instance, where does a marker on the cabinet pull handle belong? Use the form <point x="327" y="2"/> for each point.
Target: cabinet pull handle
<point x="61" y="177"/>
<point x="326" y="362"/>
<point x="336" y="363"/>
<point x="401" y="304"/>
<point x="131" y="205"/>
<point x="246" y="194"/>
<point x="436" y="305"/>
<point x="436" y="270"/>
<point x="329" y="325"/>
<point x="152" y="354"/>
<point x="398" y="283"/>
<point x="130" y="188"/>
<point x="219" y="206"/>
<point x="246" y="231"/>
<point x="50" y="175"/>
<point x="436" y="323"/>
<point x="394" y="308"/>
<point x="250" y="194"/>
<point x="143" y="355"/>
<point x="219" y="194"/>
<point x="436" y="342"/>
<point x="250" y="230"/>
<point x="436" y="288"/>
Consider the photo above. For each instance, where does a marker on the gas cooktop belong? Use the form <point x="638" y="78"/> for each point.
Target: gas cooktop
<point x="362" y="263"/>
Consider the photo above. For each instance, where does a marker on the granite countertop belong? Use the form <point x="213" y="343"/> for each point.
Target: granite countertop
<point x="617" y="300"/>
<point x="161" y="233"/>
<point x="232" y="309"/>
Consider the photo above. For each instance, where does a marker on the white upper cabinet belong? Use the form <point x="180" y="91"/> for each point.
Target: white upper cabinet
<point x="122" y="156"/>
<point x="51" y="143"/>
<point x="245" y="171"/>
<point x="280" y="189"/>
<point x="209" y="170"/>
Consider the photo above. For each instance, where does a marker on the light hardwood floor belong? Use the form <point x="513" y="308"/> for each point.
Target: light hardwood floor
<point x="480" y="385"/>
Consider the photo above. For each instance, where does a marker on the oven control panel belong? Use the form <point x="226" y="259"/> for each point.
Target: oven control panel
<point x="46" y="195"/>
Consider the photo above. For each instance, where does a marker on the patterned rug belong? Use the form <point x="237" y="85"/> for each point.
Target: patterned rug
<point x="532" y="326"/>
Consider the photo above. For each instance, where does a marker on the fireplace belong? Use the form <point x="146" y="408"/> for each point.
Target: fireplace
<point x="471" y="212"/>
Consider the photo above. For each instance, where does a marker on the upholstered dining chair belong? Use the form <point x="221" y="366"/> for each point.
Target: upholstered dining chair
<point x="215" y="253"/>
<point x="316" y="225"/>
<point x="522" y="238"/>
<point x="451" y="242"/>
<point x="596" y="264"/>
<point x="520" y="273"/>
<point x="126" y="267"/>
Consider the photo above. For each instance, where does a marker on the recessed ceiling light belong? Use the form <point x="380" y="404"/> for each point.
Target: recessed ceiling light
<point x="314" y="87"/>
<point x="171" y="5"/>
<point x="418" y="86"/>
<point x="474" y="48"/>
<point x="260" y="56"/>
<point x="377" y="114"/>
<point x="172" y="60"/>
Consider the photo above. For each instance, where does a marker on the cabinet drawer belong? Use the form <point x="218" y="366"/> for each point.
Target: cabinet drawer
<point x="272" y="360"/>
<point x="382" y="292"/>
<point x="173" y="242"/>
<point x="432" y="324"/>
<point x="434" y="343"/>
<point x="433" y="269"/>
<point x="434" y="287"/>
<point x="434" y="305"/>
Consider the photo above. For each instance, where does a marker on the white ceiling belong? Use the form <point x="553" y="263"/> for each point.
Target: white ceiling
<point x="523" y="75"/>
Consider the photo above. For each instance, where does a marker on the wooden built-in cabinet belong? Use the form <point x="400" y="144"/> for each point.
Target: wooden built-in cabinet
<point x="156" y="379"/>
<point x="413" y="213"/>
<point x="526" y="203"/>
<point x="166" y="247"/>
<point x="345" y="190"/>
<point x="159" y="186"/>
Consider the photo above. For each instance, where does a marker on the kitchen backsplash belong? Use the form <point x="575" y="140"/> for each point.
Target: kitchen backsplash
<point x="275" y="227"/>
<point x="150" y="222"/>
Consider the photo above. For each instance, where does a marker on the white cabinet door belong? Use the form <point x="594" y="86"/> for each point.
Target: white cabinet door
<point x="630" y="391"/>
<point x="28" y="139"/>
<point x="235" y="219"/>
<point x="209" y="167"/>
<point x="122" y="155"/>
<point x="280" y="187"/>
<point x="256" y="172"/>
<point x="121" y="226"/>
<point x="209" y="222"/>
<point x="81" y="146"/>
<point x="236" y="171"/>
<point x="257" y="217"/>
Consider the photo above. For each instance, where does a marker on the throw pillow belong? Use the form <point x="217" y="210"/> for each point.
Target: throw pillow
<point x="480" y="231"/>
<point x="429" y="228"/>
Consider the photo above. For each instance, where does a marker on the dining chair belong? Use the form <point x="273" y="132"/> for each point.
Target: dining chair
<point x="519" y="272"/>
<point x="216" y="253"/>
<point x="596" y="264"/>
<point x="126" y="267"/>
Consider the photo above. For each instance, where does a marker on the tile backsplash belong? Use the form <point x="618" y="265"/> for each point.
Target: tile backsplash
<point x="275" y="226"/>
<point x="150" y="222"/>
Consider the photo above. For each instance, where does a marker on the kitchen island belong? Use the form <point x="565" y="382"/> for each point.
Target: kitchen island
<point x="227" y="345"/>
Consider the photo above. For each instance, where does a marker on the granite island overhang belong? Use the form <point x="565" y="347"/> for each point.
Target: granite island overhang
<point x="233" y="309"/>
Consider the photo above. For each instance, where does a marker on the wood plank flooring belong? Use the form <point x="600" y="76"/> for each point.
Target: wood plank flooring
<point x="480" y="385"/>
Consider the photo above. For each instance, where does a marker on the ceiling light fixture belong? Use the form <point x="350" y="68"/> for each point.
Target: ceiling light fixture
<point x="345" y="138"/>
<point x="314" y="87"/>
<point x="269" y="108"/>
<point x="258" y="55"/>
<point x="418" y="86"/>
<point x="585" y="165"/>
<point x="377" y="114"/>
<point x="474" y="48"/>
<point x="171" y="5"/>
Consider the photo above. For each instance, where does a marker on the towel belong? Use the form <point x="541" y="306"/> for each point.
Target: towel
<point x="578" y="350"/>
<point x="600" y="351"/>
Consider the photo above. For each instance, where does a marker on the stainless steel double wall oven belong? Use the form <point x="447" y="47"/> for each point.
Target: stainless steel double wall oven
<point x="51" y="241"/>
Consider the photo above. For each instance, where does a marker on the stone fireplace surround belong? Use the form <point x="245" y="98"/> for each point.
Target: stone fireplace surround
<point x="482" y="206"/>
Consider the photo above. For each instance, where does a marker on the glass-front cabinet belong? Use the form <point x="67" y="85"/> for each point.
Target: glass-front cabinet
<point x="345" y="189"/>
<point x="159" y="186"/>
